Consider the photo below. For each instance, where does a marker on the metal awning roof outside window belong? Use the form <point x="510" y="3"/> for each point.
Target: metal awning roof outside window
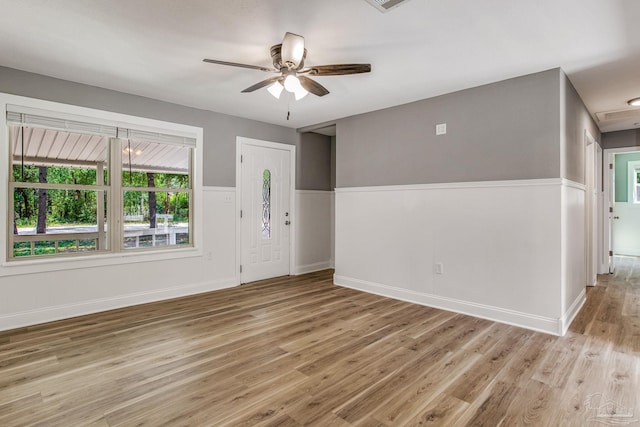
<point x="46" y="141"/>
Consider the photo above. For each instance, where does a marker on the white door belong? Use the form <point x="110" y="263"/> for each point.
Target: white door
<point x="619" y="233"/>
<point x="612" y="216"/>
<point x="265" y="212"/>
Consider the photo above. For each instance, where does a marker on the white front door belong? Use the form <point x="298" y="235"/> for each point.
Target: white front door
<point x="265" y="211"/>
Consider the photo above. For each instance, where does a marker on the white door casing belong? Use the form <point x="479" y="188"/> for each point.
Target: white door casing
<point x="600" y="214"/>
<point x="590" y="208"/>
<point x="265" y="183"/>
<point x="609" y="205"/>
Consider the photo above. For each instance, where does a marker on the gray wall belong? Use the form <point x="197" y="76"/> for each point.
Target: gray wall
<point x="220" y="130"/>
<point x="501" y="131"/>
<point x="574" y="120"/>
<point x="621" y="139"/>
<point x="313" y="162"/>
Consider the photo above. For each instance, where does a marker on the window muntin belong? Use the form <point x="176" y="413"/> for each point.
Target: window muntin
<point x="78" y="168"/>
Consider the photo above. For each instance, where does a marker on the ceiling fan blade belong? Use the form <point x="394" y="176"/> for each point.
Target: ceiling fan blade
<point x="337" y="69"/>
<point x="262" y="84"/>
<point x="312" y="86"/>
<point x="235" y="64"/>
<point x="292" y="49"/>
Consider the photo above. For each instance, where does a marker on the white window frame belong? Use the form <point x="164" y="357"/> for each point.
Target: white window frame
<point x="89" y="115"/>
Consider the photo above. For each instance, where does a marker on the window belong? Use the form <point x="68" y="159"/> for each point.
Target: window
<point x="156" y="194"/>
<point x="633" y="183"/>
<point x="78" y="188"/>
<point x="266" y="204"/>
<point x="59" y="187"/>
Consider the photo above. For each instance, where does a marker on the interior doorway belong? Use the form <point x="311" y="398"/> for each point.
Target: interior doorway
<point x="265" y="185"/>
<point x="622" y="201"/>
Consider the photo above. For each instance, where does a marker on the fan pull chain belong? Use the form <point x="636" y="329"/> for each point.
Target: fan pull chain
<point x="288" y="107"/>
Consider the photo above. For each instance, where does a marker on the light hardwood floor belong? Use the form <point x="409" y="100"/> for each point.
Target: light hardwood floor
<point x="301" y="351"/>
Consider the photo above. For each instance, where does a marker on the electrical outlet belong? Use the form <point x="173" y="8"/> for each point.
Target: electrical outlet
<point x="209" y="256"/>
<point x="439" y="268"/>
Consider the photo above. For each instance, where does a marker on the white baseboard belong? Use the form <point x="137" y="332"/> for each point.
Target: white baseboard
<point x="50" y="314"/>
<point x="310" y="268"/>
<point x="573" y="311"/>
<point x="537" y="323"/>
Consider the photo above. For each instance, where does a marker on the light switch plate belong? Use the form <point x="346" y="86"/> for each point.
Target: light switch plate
<point x="441" y="129"/>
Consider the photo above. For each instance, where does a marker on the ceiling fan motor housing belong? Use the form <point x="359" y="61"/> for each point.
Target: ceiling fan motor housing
<point x="276" y="57"/>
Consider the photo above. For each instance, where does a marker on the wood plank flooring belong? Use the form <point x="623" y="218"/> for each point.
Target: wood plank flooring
<point x="301" y="351"/>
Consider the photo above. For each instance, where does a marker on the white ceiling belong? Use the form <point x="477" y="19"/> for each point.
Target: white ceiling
<point x="421" y="49"/>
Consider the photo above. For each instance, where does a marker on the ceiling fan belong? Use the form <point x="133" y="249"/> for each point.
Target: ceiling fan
<point x="288" y="62"/>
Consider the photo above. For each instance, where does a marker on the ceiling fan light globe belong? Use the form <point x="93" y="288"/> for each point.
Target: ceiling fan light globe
<point x="300" y="93"/>
<point x="291" y="83"/>
<point x="275" y="89"/>
<point x="634" y="102"/>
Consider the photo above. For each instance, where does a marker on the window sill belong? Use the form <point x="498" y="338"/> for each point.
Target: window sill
<point x="31" y="266"/>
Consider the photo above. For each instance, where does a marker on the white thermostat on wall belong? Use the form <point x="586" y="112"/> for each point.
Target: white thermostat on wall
<point x="441" y="128"/>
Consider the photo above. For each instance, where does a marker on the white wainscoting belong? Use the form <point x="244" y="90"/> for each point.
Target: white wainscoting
<point x="313" y="231"/>
<point x="499" y="243"/>
<point x="626" y="229"/>
<point x="574" y="267"/>
<point x="88" y="287"/>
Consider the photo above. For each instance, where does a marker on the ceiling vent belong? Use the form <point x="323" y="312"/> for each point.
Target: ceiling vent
<point x="610" y="116"/>
<point x="385" y="5"/>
